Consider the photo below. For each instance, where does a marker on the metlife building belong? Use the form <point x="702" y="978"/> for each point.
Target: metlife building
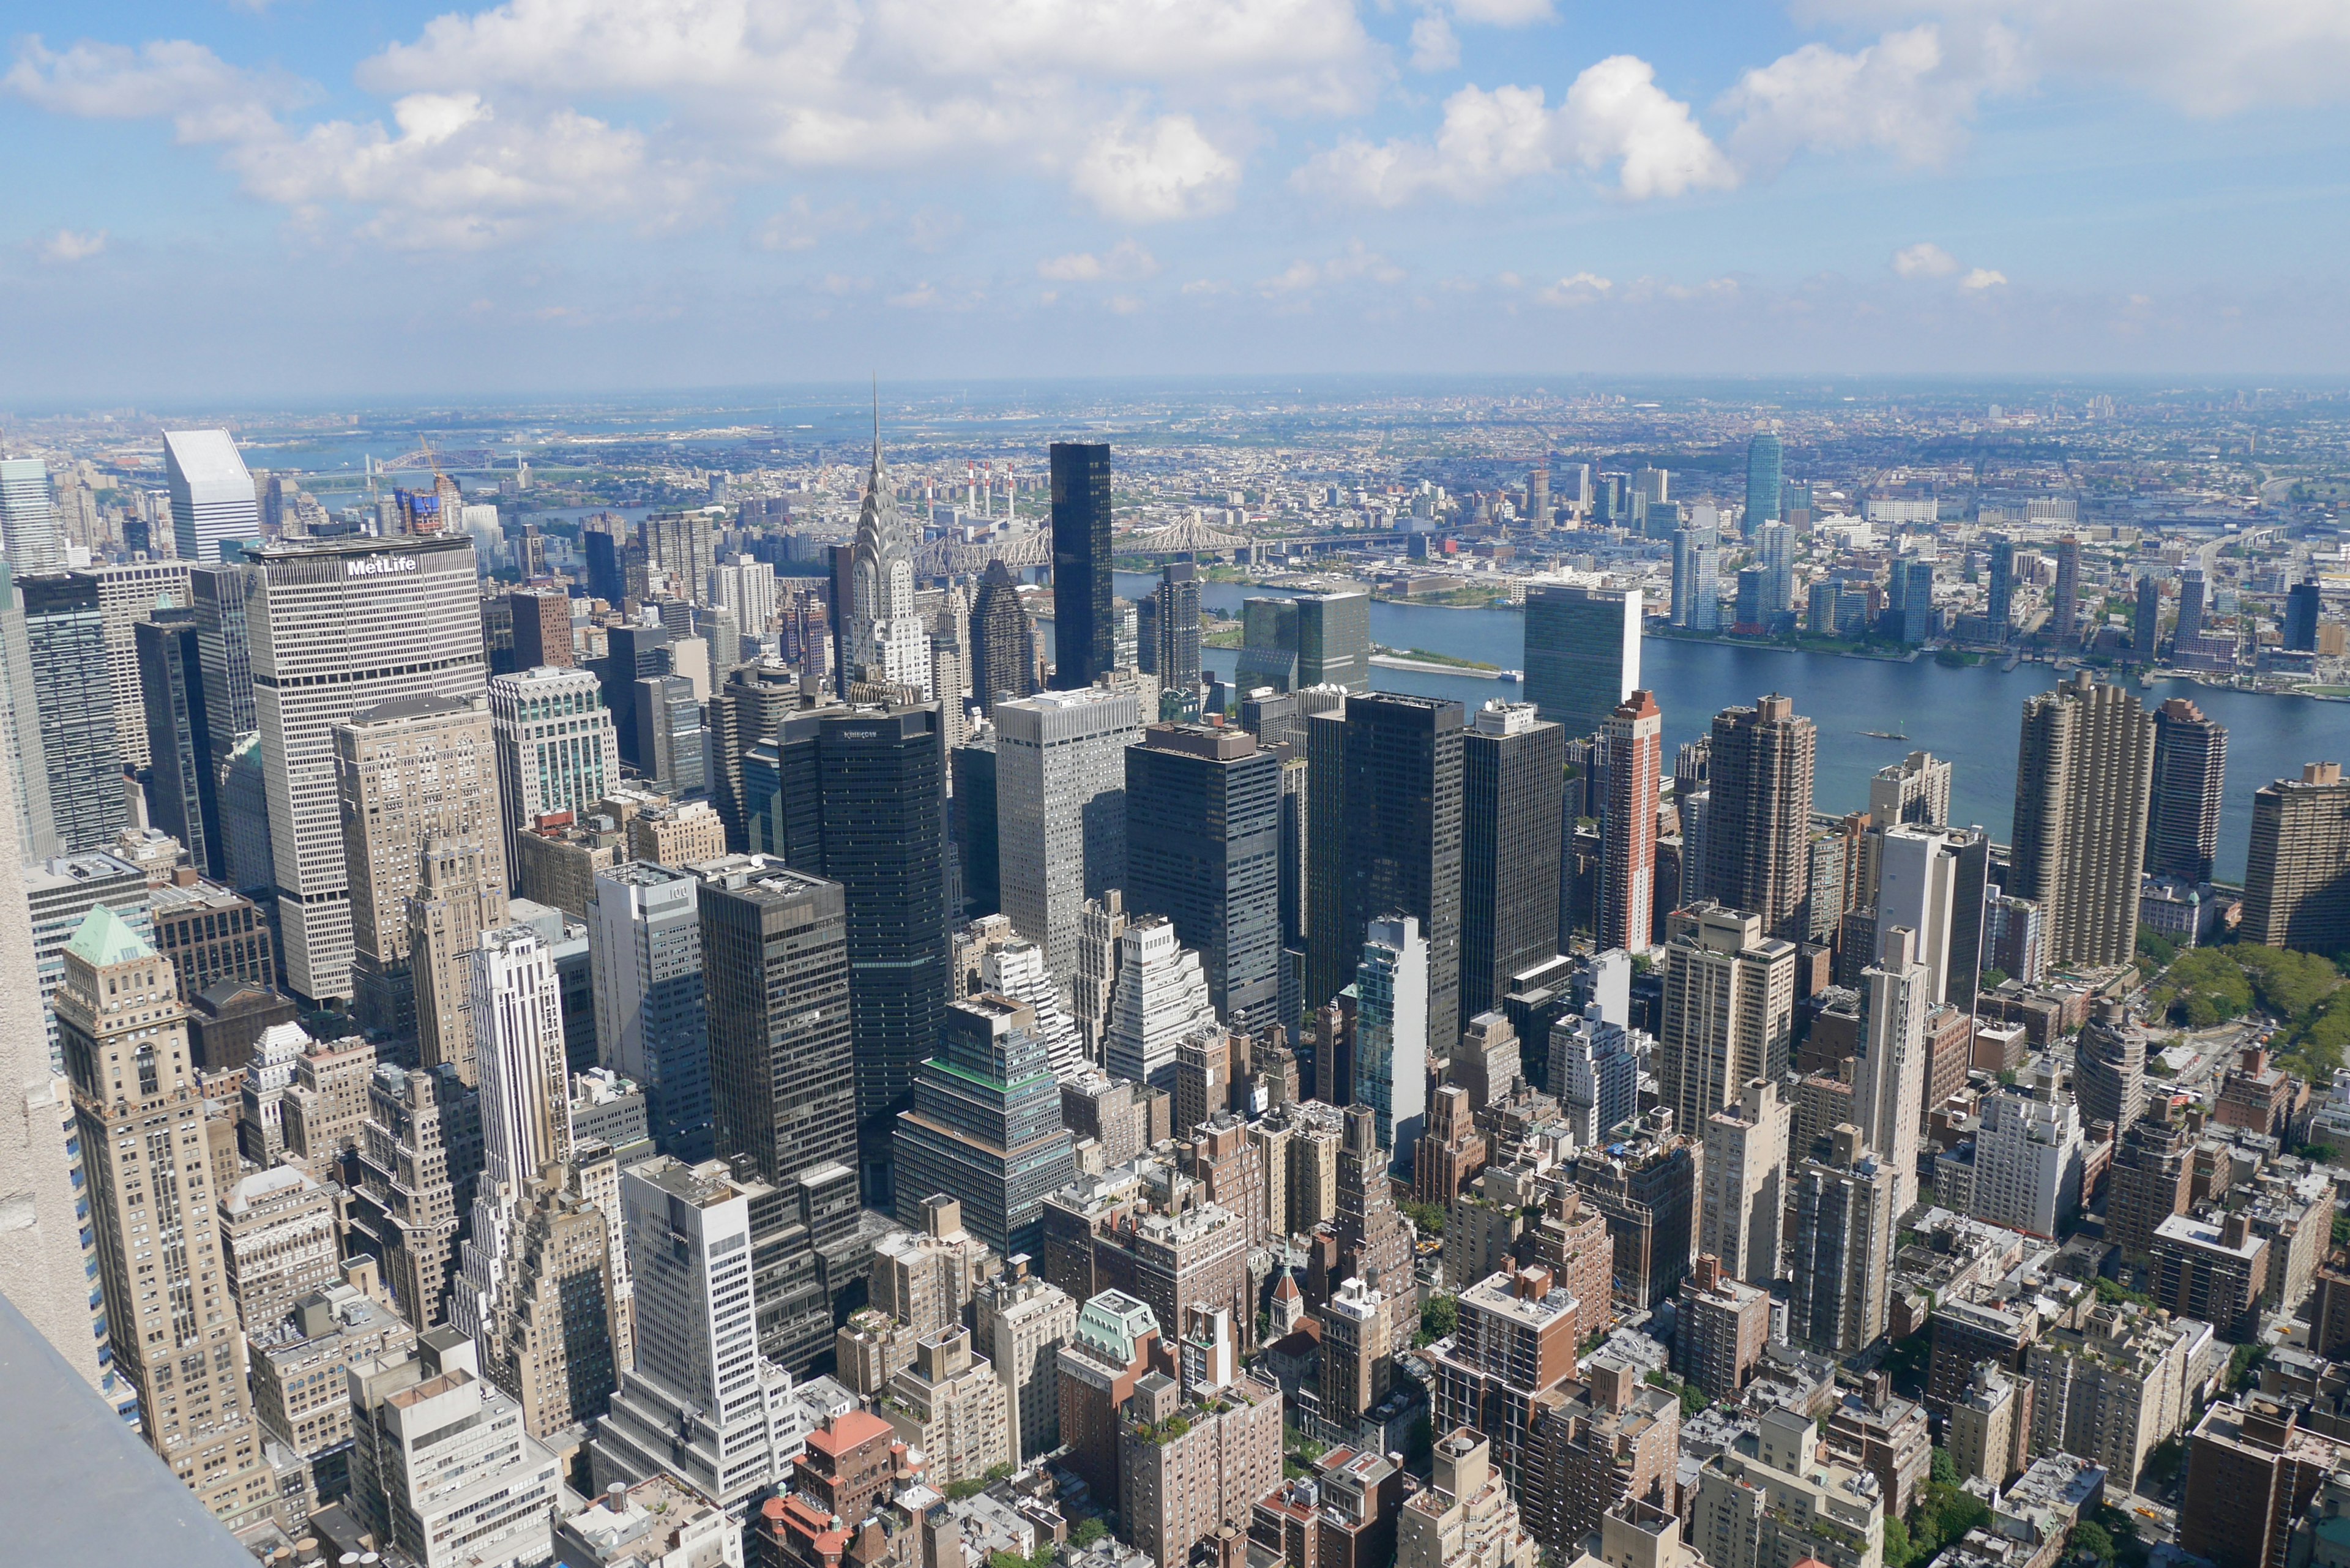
<point x="341" y="625"/>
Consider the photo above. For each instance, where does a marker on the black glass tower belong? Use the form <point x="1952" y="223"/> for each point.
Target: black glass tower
<point x="1083" y="632"/>
<point x="1513" y="776"/>
<point x="182" y="791"/>
<point x="1203" y="848"/>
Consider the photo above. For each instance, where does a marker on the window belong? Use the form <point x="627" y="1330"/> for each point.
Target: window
<point x="147" y="1081"/>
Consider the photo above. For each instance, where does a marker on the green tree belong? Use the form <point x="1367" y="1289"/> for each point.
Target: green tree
<point x="1438" y="1316"/>
<point x="1427" y="1217"/>
<point x="2092" y="1538"/>
<point x="1897" y="1543"/>
<point x="1945" y="1468"/>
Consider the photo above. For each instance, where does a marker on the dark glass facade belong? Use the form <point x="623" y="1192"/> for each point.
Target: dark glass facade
<point x="1511" y="832"/>
<point x="974" y="829"/>
<point x="71" y="682"/>
<point x="1203" y="848"/>
<point x="182" y="789"/>
<point x="1084" y="631"/>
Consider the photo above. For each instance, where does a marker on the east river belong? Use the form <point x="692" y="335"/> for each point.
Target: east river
<point x="1970" y="716"/>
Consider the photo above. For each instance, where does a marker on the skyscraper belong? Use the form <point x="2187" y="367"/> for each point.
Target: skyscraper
<point x="1158" y="1001"/>
<point x="2001" y="593"/>
<point x="1758" y="822"/>
<point x="1513" y="772"/>
<point x="556" y="749"/>
<point x="1729" y="1010"/>
<point x="1083" y="634"/>
<point x="1178" y="598"/>
<point x="1696" y="579"/>
<point x="341" y="625"/>
<point x="459" y="894"/>
<point x="1334" y="639"/>
<point x="2192" y="585"/>
<point x="221" y="597"/>
<point x="20" y="727"/>
<point x="1393" y="1024"/>
<point x="2191" y="767"/>
<point x="140" y="1116"/>
<point x="745" y="712"/>
<point x="213" y="498"/>
<point x="985" y="1125"/>
<point x="1060" y="782"/>
<point x="28" y="528"/>
<point x="71" y="676"/>
<point x="1928" y="887"/>
<point x="2083" y="767"/>
<point x="1634" y="748"/>
<point x="2297" y="876"/>
<point x="1003" y="640"/>
<point x="2145" y="623"/>
<point x="1582" y="653"/>
<point x="1202" y="847"/>
<point x="2064" y="604"/>
<point x="644" y="937"/>
<point x="1889" y="1081"/>
<point x="674" y="750"/>
<point x="1846" y="1209"/>
<point x="1914" y="790"/>
<point x="182" y="789"/>
<point x="1385" y="840"/>
<point x="1762" y="481"/>
<point x="542" y="628"/>
<point x="887" y="642"/>
<point x="2302" y="602"/>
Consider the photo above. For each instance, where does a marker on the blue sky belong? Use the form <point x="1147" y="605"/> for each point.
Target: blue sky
<point x="305" y="198"/>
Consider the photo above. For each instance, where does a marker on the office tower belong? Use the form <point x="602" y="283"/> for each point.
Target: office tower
<point x="413" y="775"/>
<point x="1177" y="598"/>
<point x="2302" y="602"/>
<point x="1745" y="1178"/>
<point x="1393" y="1021"/>
<point x="886" y="642"/>
<point x="636" y="653"/>
<point x="138" y="1117"/>
<point x="278" y="1243"/>
<point x="862" y="802"/>
<point x="1386" y="841"/>
<point x="1202" y="840"/>
<point x="2028" y="1155"/>
<point x="674" y="750"/>
<point x="182" y="789"/>
<point x="20" y="727"/>
<point x="1100" y="953"/>
<point x="1003" y="640"/>
<point x="556" y="749"/>
<point x="607" y="579"/>
<point x="1021" y="1322"/>
<point x="1845" y="1206"/>
<point x="128" y="595"/>
<point x="985" y="1125"/>
<point x="2064" y="604"/>
<point x="80" y="749"/>
<point x="28" y="528"/>
<point x="1915" y="790"/>
<point x="1729" y="1010"/>
<point x="2084" y="769"/>
<point x="2001" y="592"/>
<point x="1633" y="746"/>
<point x="745" y="712"/>
<point x="1334" y="639"/>
<point x="1060" y="774"/>
<point x="1758" y="821"/>
<point x="344" y="625"/>
<point x="439" y="1471"/>
<point x="222" y="597"/>
<point x="1763" y="481"/>
<point x="2297" y="874"/>
<point x="213" y="498"/>
<point x="1888" y="1094"/>
<point x="1158" y="999"/>
<point x="420" y="1155"/>
<point x="459" y="893"/>
<point x="1696" y="579"/>
<point x="1268" y="655"/>
<point x="2191" y="766"/>
<point x="1512" y="770"/>
<point x="1083" y="630"/>
<point x="645" y="936"/>
<point x="972" y="768"/>
<point x="542" y="629"/>
<point x="682" y="834"/>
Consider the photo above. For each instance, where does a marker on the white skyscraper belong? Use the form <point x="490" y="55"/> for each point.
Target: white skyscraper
<point x="700" y="1403"/>
<point x="213" y="497"/>
<point x="888" y="641"/>
<point x="1160" y="1001"/>
<point x="1391" y="1030"/>
<point x="1917" y="882"/>
<point x="28" y="523"/>
<point x="1017" y="970"/>
<point x="1888" y="1088"/>
<point x="745" y="585"/>
<point x="558" y="749"/>
<point x="128" y="594"/>
<point x="1060" y="786"/>
<point x="2028" y="1154"/>
<point x="340" y="626"/>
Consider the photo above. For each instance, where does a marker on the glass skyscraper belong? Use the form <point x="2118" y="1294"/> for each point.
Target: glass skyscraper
<point x="64" y="634"/>
<point x="1582" y="653"/>
<point x="1083" y="630"/>
<point x="985" y="1127"/>
<point x="1763" y="493"/>
<point x="1202" y="847"/>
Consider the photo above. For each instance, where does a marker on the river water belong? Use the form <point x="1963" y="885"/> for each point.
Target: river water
<point x="1970" y="716"/>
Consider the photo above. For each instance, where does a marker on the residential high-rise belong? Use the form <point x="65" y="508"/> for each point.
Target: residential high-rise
<point x="2084" y="770"/>
<point x="2028" y="1155"/>
<point x="138" y="1114"/>
<point x="1202" y="844"/>
<point x="1177" y="598"/>
<point x="1888" y="1094"/>
<point x="1514" y="771"/>
<point x="80" y="748"/>
<point x="1514" y="1342"/>
<point x="2064" y="604"/>
<point x="1916" y="790"/>
<point x="2109" y="1068"/>
<point x="1386" y="840"/>
<point x="1003" y="640"/>
<point x="213" y="498"/>
<point x="1633" y="746"/>
<point x="2303" y="602"/>
<point x="183" y="784"/>
<point x="2001" y="592"/>
<point x="411" y="774"/>
<point x="1769" y="1498"/>
<point x="1394" y="1019"/>
<point x="1060" y="776"/>
<point x="1729" y="1010"/>
<point x="1922" y="887"/>
<point x="1722" y="1324"/>
<point x="1022" y="1322"/>
<point x="2297" y="876"/>
<point x="28" y="527"/>
<point x="1758" y="824"/>
<point x="342" y="625"/>
<point x="1745" y="1183"/>
<point x="1083" y="632"/>
<point x="2146" y="621"/>
<point x="645" y="936"/>
<point x="1696" y="579"/>
<point x="2190" y="768"/>
<point x="985" y="1124"/>
<point x="862" y="802"/>
<point x="557" y="748"/>
<point x="1763" y="486"/>
<point x="1846" y="1207"/>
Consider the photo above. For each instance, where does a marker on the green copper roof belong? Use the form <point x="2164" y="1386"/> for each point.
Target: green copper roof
<point x="103" y="941"/>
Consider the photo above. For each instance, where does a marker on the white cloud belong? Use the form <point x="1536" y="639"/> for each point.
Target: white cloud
<point x="66" y="246"/>
<point x="1356" y="260"/>
<point x="1613" y="115"/>
<point x="1924" y="259"/>
<point x="1912" y="93"/>
<point x="1168" y="170"/>
<point x="1983" y="277"/>
<point x="1127" y="260"/>
<point x="1503" y="13"/>
<point x="1582" y="289"/>
<point x="1433" y="45"/>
